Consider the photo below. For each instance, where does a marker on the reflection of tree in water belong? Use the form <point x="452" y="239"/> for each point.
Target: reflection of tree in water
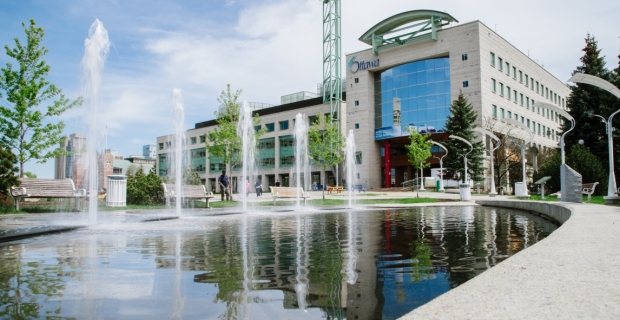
<point x="421" y="264"/>
<point x="25" y="287"/>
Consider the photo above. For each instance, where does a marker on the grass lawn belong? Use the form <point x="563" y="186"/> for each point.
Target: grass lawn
<point x="595" y="199"/>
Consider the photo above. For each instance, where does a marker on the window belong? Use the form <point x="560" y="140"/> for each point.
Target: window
<point x="357" y="126"/>
<point x="509" y="115"/>
<point x="465" y="84"/>
<point x="257" y="128"/>
<point x="514" y="96"/>
<point x="514" y="73"/>
<point x="539" y="129"/>
<point x="192" y="140"/>
<point x="270" y="127"/>
<point x="522" y="119"/>
<point x="528" y="123"/>
<point x="493" y="86"/>
<point x="500" y="62"/>
<point x="507" y="69"/>
<point x="357" y="80"/>
<point x="494" y="111"/>
<point x="284" y="125"/>
<point x="203" y="139"/>
<point x="527" y="80"/>
<point x="537" y="87"/>
<point x="532" y="82"/>
<point x="501" y="89"/>
<point x="357" y="103"/>
<point x="533" y="102"/>
<point x="521" y="77"/>
<point x="492" y="59"/>
<point x="527" y="102"/>
<point x="534" y="126"/>
<point x="516" y="117"/>
<point x="358" y="157"/>
<point x="464" y="57"/>
<point x="547" y="92"/>
<point x="161" y="146"/>
<point x="501" y="113"/>
<point x="521" y="98"/>
<point x="508" y="92"/>
<point x="168" y="144"/>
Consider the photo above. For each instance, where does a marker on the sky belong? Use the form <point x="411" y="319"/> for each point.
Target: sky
<point x="267" y="48"/>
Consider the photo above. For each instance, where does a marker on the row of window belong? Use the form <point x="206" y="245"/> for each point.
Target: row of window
<point x="523" y="100"/>
<point x="537" y="128"/>
<point x="529" y="81"/>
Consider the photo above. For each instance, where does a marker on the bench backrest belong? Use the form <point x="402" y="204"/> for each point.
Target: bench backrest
<point x="589" y="186"/>
<point x="288" y="192"/>
<point x="187" y="190"/>
<point x="48" y="188"/>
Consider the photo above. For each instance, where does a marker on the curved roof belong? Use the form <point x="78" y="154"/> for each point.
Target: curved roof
<point x="403" y="18"/>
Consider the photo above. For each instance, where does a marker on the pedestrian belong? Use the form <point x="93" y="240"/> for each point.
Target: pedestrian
<point x="314" y="188"/>
<point x="259" y="187"/>
<point x="247" y="187"/>
<point x="277" y="183"/>
<point x="223" y="182"/>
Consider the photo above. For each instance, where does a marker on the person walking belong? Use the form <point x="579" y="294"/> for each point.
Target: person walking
<point x="223" y="182"/>
<point x="247" y="187"/>
<point x="259" y="187"/>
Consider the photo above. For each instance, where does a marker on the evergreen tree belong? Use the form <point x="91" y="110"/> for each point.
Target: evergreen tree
<point x="585" y="98"/>
<point x="461" y="122"/>
<point x="8" y="175"/>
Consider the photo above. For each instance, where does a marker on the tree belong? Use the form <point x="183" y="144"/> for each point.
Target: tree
<point x="30" y="175"/>
<point x="324" y="141"/>
<point x="8" y="175"/>
<point x="418" y="150"/>
<point x="584" y="98"/>
<point x="190" y="176"/>
<point x="461" y="122"/>
<point x="145" y="189"/>
<point x="225" y="142"/>
<point x="24" y="126"/>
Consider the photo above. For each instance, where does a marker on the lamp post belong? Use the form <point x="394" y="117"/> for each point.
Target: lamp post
<point x="605" y="85"/>
<point x="471" y="148"/>
<point x="441" y="189"/>
<point x="492" y="193"/>
<point x="564" y="114"/>
<point x="524" y="127"/>
<point x="421" y="188"/>
<point x="464" y="190"/>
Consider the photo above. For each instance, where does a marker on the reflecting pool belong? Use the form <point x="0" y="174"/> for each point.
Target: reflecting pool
<point x="366" y="264"/>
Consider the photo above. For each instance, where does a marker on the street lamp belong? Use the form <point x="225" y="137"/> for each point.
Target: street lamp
<point x="524" y="127"/>
<point x="441" y="165"/>
<point x="465" y="192"/>
<point x="492" y="193"/>
<point x="605" y="85"/>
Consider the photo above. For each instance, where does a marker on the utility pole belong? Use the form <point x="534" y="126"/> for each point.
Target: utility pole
<point x="332" y="71"/>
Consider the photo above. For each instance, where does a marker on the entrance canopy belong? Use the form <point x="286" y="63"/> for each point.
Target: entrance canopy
<point x="418" y="25"/>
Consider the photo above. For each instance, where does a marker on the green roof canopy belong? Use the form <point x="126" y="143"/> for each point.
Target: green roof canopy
<point x="429" y="20"/>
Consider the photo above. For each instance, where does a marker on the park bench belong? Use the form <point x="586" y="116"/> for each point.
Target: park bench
<point x="47" y="188"/>
<point x="588" y="188"/>
<point x="288" y="192"/>
<point x="338" y="189"/>
<point x="188" y="192"/>
<point x="359" y="188"/>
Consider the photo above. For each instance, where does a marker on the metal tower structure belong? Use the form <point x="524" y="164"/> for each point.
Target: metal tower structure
<point x="332" y="52"/>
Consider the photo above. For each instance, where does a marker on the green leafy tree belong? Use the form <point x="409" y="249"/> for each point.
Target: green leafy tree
<point x="145" y="189"/>
<point x="461" y="122"/>
<point x="418" y="150"/>
<point x="324" y="140"/>
<point x="190" y="176"/>
<point x="8" y="175"/>
<point x="25" y="126"/>
<point x="30" y="175"/>
<point x="224" y="142"/>
<point x="585" y="98"/>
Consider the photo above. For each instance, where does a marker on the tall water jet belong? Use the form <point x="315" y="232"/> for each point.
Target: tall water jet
<point x="302" y="162"/>
<point x="301" y="279"/>
<point x="245" y="128"/>
<point x="350" y="169"/>
<point x="96" y="48"/>
<point x="178" y="163"/>
<point x="352" y="250"/>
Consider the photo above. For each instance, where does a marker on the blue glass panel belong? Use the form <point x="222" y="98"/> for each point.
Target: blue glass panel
<point x="386" y="74"/>
<point x="420" y="77"/>
<point x="439" y="87"/>
<point x="388" y="84"/>
<point x="439" y="75"/>
<point x="412" y="79"/>
<point x="446" y="72"/>
<point x="430" y="102"/>
<point x="429" y="88"/>
<point x="430" y="76"/>
<point x="429" y="64"/>
<point x="446" y="87"/>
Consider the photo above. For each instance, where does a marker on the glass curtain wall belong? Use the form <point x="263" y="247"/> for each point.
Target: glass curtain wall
<point x="415" y="94"/>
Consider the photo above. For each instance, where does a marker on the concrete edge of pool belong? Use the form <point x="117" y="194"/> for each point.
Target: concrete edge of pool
<point x="573" y="273"/>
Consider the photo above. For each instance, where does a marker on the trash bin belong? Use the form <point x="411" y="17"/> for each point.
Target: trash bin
<point x="437" y="185"/>
<point x="465" y="192"/>
<point x="520" y="190"/>
<point x="117" y="191"/>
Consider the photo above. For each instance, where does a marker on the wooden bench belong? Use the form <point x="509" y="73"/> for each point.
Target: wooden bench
<point x="47" y="188"/>
<point x="188" y="192"/>
<point x="288" y="192"/>
<point x="588" y="188"/>
<point x="338" y="189"/>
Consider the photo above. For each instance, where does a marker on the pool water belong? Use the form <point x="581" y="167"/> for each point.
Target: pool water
<point x="363" y="264"/>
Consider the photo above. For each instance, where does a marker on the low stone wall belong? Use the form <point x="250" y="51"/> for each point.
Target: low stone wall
<point x="555" y="211"/>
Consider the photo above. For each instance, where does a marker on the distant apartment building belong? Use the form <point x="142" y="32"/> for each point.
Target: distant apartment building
<point x="149" y="151"/>
<point x="75" y="146"/>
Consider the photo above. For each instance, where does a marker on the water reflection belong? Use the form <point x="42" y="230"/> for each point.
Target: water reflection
<point x="354" y="265"/>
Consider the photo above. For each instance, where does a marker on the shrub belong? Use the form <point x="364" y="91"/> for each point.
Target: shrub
<point x="144" y="189"/>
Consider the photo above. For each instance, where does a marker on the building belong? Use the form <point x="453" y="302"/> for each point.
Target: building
<point x="65" y="165"/>
<point x="149" y="151"/>
<point x="417" y="63"/>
